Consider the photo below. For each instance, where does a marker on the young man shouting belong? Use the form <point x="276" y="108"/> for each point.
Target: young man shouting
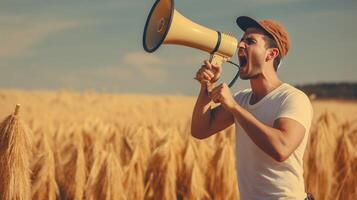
<point x="272" y="118"/>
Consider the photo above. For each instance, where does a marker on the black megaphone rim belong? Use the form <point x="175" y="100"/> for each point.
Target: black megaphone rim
<point x="147" y="23"/>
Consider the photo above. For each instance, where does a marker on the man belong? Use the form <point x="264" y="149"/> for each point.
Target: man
<point x="272" y="118"/>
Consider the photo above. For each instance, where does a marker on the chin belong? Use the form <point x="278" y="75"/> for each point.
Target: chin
<point x="244" y="77"/>
<point x="249" y="76"/>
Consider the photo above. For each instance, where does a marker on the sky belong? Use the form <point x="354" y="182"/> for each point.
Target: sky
<point x="87" y="45"/>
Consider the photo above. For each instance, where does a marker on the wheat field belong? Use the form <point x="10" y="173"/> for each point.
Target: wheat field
<point x="70" y="145"/>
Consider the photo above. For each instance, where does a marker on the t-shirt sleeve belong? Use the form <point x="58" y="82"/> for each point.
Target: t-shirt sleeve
<point x="238" y="96"/>
<point x="296" y="106"/>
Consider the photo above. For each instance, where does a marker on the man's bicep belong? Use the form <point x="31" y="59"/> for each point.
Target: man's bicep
<point x="221" y="119"/>
<point x="292" y="132"/>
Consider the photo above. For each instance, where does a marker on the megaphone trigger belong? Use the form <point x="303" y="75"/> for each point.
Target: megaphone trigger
<point x="217" y="59"/>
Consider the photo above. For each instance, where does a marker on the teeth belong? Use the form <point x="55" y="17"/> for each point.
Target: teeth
<point x="241" y="52"/>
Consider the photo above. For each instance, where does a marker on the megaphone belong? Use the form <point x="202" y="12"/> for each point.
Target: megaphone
<point x="165" y="25"/>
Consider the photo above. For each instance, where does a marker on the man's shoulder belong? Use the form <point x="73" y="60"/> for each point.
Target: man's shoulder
<point x="291" y="91"/>
<point x="295" y="104"/>
<point x="293" y="97"/>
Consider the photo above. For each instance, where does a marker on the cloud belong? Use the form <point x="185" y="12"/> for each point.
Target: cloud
<point x="112" y="72"/>
<point x="17" y="42"/>
<point x="148" y="65"/>
<point x="140" y="58"/>
<point x="137" y="66"/>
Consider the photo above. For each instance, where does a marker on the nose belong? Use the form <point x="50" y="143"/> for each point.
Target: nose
<point x="241" y="44"/>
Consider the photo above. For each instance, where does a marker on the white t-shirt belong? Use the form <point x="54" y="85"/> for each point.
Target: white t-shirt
<point x="259" y="175"/>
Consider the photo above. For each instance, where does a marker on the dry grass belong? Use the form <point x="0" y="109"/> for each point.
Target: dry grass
<point x="160" y="177"/>
<point x="44" y="185"/>
<point x="103" y="146"/>
<point x="15" y="154"/>
<point x="71" y="169"/>
<point x="105" y="179"/>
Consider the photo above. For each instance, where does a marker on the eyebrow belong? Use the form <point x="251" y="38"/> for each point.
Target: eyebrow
<point x="247" y="37"/>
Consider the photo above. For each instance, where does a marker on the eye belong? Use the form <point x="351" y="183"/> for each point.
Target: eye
<point x="250" y="41"/>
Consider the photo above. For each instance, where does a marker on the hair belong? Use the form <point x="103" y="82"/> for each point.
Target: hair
<point x="271" y="43"/>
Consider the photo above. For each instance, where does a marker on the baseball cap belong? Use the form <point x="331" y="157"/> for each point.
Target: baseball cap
<point x="271" y="27"/>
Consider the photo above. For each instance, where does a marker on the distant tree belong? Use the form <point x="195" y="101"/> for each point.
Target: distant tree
<point x="342" y="90"/>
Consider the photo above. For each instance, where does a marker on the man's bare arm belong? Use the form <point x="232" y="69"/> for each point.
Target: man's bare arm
<point x="207" y="121"/>
<point x="278" y="141"/>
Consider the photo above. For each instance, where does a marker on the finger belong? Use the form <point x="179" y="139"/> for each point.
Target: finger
<point x="216" y="98"/>
<point x="206" y="76"/>
<point x="214" y="94"/>
<point x="217" y="72"/>
<point x="209" y="73"/>
<point x="216" y="101"/>
<point x="217" y="68"/>
<point x="207" y="64"/>
<point x="209" y="70"/>
<point x="202" y="78"/>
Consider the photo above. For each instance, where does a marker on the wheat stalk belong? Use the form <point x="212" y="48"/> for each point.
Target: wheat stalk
<point x="160" y="178"/>
<point x="44" y="186"/>
<point x="15" y="153"/>
<point x="105" y="178"/>
<point x="71" y="171"/>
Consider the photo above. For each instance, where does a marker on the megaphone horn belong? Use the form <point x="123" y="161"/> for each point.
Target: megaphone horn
<point x="165" y="25"/>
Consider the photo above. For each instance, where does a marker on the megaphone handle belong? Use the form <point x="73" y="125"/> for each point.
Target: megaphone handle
<point x="215" y="59"/>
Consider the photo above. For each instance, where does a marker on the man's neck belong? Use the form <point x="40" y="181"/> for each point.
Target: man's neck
<point x="263" y="85"/>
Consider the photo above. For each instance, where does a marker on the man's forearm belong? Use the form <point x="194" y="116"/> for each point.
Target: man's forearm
<point x="201" y="115"/>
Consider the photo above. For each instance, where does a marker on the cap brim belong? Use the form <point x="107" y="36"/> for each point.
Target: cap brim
<point x="245" y="22"/>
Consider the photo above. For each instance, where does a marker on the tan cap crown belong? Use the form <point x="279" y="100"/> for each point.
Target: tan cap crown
<point x="273" y="28"/>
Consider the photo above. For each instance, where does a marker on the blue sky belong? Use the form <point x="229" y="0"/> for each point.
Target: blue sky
<point x="97" y="45"/>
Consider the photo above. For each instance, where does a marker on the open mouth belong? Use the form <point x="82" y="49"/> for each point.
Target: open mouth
<point x="242" y="60"/>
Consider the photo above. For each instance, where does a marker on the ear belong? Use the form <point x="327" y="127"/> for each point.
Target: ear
<point x="272" y="53"/>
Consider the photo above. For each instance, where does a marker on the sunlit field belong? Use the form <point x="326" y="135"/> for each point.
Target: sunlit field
<point x="69" y="145"/>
